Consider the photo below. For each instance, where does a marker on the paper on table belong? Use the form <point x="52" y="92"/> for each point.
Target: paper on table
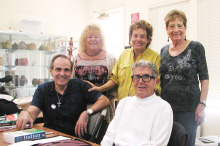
<point x="41" y="141"/>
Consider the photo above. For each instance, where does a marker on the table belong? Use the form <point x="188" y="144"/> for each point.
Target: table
<point x="40" y="126"/>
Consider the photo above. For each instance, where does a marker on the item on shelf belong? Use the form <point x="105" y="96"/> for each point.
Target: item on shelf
<point x="1" y="44"/>
<point x="23" y="80"/>
<point x="35" y="82"/>
<point x="24" y="61"/>
<point x="17" y="61"/>
<point x="40" y="81"/>
<point x="21" y="61"/>
<point x="33" y="63"/>
<point x="2" y="61"/>
<point x="15" y="46"/>
<point x="48" y="48"/>
<point x="16" y="80"/>
<point x="46" y="80"/>
<point x="22" y="46"/>
<point x="31" y="46"/>
<point x="42" y="47"/>
<point x="11" y="73"/>
<point x="7" y="45"/>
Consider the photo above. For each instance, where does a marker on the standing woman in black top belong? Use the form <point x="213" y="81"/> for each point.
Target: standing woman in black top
<point x="183" y="69"/>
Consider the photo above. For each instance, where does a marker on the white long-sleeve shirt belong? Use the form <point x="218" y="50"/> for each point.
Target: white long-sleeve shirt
<point x="140" y="122"/>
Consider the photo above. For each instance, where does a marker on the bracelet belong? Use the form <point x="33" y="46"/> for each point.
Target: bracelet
<point x="202" y="103"/>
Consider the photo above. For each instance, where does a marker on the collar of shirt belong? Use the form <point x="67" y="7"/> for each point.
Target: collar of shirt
<point x="68" y="89"/>
<point x="145" y="53"/>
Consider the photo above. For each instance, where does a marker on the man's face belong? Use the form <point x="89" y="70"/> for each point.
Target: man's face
<point x="61" y="72"/>
<point x="144" y="89"/>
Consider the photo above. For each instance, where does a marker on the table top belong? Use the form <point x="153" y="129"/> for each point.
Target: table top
<point x="40" y="126"/>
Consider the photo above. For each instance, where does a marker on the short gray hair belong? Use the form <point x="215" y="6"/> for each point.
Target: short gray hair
<point x="148" y="64"/>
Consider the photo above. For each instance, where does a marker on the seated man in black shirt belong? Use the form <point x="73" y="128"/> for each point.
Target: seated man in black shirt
<point x="63" y="101"/>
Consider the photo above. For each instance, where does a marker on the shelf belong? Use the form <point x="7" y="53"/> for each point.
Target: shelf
<point x="9" y="67"/>
<point x="22" y="50"/>
<point x="15" y="87"/>
<point x="28" y="36"/>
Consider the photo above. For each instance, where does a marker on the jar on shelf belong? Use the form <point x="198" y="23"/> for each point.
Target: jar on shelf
<point x="22" y="45"/>
<point x="35" y="82"/>
<point x="2" y="62"/>
<point x="23" y="80"/>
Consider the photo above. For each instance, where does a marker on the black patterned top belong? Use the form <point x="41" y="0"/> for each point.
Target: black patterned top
<point x="180" y="76"/>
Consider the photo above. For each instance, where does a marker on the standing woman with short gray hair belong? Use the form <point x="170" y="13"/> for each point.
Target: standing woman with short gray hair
<point x="183" y="67"/>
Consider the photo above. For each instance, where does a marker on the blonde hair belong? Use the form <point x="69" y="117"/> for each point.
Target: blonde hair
<point x="172" y="15"/>
<point x="94" y="29"/>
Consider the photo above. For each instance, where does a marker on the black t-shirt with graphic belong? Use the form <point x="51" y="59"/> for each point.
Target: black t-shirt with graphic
<point x="180" y="76"/>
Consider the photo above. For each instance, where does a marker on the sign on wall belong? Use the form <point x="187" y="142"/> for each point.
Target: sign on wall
<point x="134" y="17"/>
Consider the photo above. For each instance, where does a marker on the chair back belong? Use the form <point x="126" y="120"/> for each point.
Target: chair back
<point x="178" y="135"/>
<point x="94" y="124"/>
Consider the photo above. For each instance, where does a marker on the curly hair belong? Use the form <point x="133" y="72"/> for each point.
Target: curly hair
<point x="172" y="15"/>
<point x="148" y="64"/>
<point x="94" y="29"/>
<point x="144" y="25"/>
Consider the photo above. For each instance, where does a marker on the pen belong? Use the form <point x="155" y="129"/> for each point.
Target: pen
<point x="206" y="140"/>
<point x="48" y="133"/>
<point x="3" y="130"/>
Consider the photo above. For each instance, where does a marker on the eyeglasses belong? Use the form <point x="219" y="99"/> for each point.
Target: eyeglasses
<point x="145" y="78"/>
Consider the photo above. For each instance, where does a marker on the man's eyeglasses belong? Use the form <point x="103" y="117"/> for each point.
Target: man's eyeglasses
<point x="145" y="78"/>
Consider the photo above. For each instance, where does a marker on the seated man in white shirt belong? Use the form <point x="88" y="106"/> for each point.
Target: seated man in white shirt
<point x="142" y="119"/>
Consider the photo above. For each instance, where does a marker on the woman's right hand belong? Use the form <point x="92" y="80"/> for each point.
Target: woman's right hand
<point x="94" y="87"/>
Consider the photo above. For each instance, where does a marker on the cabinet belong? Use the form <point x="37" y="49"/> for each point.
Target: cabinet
<point x="27" y="58"/>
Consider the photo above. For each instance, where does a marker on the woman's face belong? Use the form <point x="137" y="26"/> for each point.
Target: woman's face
<point x="176" y="30"/>
<point x="139" y="39"/>
<point x="93" y="41"/>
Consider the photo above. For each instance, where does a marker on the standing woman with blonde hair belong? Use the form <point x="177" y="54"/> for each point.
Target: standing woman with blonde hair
<point x="183" y="67"/>
<point x="93" y="63"/>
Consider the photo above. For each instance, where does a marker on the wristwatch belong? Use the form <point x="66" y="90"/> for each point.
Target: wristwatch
<point x="89" y="111"/>
<point x="203" y="102"/>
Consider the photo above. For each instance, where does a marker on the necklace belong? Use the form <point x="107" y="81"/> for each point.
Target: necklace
<point x="95" y="54"/>
<point x="59" y="99"/>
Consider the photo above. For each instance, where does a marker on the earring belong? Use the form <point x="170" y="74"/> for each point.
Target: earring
<point x="185" y="38"/>
<point x="168" y="39"/>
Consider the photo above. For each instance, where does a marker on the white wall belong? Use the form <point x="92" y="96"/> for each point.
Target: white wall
<point x="130" y="7"/>
<point x="69" y="17"/>
<point x="62" y="17"/>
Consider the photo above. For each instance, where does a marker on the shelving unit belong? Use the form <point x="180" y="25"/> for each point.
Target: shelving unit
<point x="27" y="58"/>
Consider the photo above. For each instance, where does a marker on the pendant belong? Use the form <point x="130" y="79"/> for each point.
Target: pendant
<point x="53" y="106"/>
<point x="59" y="103"/>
